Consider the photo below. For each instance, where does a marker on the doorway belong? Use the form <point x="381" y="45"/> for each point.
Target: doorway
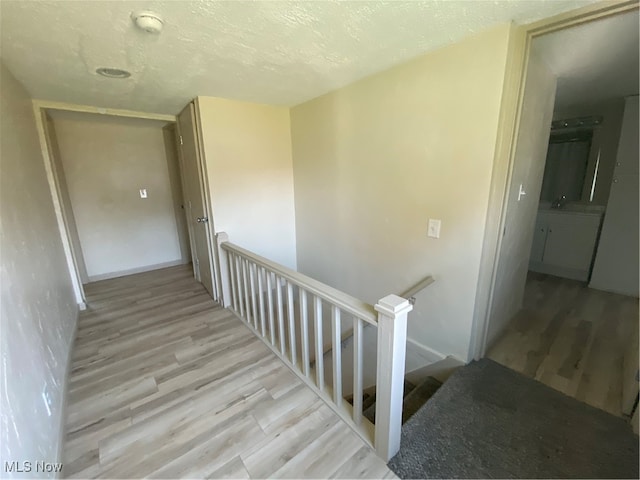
<point x="550" y="316"/>
<point x="116" y="178"/>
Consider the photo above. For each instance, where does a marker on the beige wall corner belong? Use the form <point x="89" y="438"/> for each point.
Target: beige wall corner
<point x="247" y="151"/>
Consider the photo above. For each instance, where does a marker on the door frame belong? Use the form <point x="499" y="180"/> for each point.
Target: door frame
<point x="201" y="163"/>
<point x="519" y="49"/>
<point x="40" y="108"/>
<point x="206" y="191"/>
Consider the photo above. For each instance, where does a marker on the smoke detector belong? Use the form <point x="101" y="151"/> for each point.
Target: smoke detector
<point x="110" y="72"/>
<point x="148" y="21"/>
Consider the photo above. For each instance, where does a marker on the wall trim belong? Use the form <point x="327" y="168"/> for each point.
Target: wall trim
<point x="133" y="271"/>
<point x="427" y="352"/>
<point x="58" y="205"/>
<point x="508" y="129"/>
<point x="72" y="107"/>
<point x="62" y="430"/>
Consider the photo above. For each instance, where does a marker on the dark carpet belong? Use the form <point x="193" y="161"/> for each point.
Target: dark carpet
<point x="487" y="421"/>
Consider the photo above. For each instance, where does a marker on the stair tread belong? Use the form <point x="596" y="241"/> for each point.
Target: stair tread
<point x="419" y="396"/>
<point x="370" y="412"/>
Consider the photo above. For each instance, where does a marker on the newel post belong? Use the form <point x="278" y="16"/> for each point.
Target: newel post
<point x="392" y="343"/>
<point x="223" y="259"/>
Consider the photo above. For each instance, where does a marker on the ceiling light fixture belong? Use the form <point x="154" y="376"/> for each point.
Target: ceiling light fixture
<point x="113" y="72"/>
<point x="148" y="21"/>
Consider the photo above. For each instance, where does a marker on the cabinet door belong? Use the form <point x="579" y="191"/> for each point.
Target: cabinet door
<point x="571" y="240"/>
<point x="539" y="238"/>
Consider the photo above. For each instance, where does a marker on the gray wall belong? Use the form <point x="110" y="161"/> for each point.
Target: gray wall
<point x="38" y="312"/>
<point x="106" y="161"/>
<point x="528" y="169"/>
<point x="616" y="264"/>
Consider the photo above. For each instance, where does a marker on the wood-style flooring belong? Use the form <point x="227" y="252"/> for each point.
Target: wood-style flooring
<point x="572" y="338"/>
<point x="166" y="384"/>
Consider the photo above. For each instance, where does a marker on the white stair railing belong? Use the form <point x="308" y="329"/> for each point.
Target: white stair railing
<point x="289" y="312"/>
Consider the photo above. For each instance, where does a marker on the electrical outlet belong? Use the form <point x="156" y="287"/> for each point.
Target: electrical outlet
<point x="143" y="193"/>
<point x="433" y="229"/>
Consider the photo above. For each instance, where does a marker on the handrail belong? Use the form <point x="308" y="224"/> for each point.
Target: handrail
<point x="421" y="285"/>
<point x="345" y="301"/>
<point x="409" y="295"/>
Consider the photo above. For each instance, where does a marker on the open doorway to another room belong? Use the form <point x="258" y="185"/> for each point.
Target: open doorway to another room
<point x="565" y="305"/>
<point x="119" y="184"/>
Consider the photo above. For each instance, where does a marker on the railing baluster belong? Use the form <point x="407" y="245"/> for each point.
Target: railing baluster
<point x="292" y="326"/>
<point x="249" y="275"/>
<point x="281" y="332"/>
<point x="260" y="273"/>
<point x="270" y="307"/>
<point x="336" y="349"/>
<point x="247" y="304"/>
<point x="304" y="330"/>
<point x="232" y="280"/>
<point x="252" y="283"/>
<point x="317" y="325"/>
<point x="357" y="370"/>
<point x="238" y="284"/>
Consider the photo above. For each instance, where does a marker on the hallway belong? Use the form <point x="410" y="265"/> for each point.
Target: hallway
<point x="166" y="384"/>
<point x="572" y="338"/>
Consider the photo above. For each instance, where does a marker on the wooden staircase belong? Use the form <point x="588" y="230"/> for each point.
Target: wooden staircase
<point x="414" y="398"/>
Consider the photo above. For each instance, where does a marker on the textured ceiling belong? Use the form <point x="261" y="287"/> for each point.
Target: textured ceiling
<point x="594" y="62"/>
<point x="268" y="52"/>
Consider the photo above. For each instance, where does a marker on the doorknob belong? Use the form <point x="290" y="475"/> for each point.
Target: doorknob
<point x="202" y="220"/>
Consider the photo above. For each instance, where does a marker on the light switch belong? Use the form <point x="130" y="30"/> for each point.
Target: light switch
<point x="143" y="193"/>
<point x="433" y="230"/>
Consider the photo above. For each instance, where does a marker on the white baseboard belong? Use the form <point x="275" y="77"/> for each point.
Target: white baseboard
<point x="605" y="288"/>
<point x="571" y="273"/>
<point x="428" y="354"/>
<point x="133" y="271"/>
<point x="423" y="361"/>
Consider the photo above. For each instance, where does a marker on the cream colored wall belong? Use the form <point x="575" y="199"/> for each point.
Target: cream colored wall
<point x="38" y="306"/>
<point x="106" y="161"/>
<point x="528" y="170"/>
<point x="247" y="151"/>
<point x="374" y="160"/>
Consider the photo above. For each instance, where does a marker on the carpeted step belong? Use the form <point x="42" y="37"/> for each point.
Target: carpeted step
<point x="370" y="412"/>
<point x="418" y="397"/>
<point x="368" y="399"/>
<point x="487" y="421"/>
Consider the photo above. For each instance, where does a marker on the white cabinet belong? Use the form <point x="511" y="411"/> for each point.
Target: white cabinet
<point x="564" y="243"/>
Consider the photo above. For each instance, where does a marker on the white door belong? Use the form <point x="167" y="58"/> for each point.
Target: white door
<point x="528" y="169"/>
<point x="198" y="218"/>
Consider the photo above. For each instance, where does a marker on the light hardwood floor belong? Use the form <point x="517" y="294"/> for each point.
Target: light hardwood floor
<point x="572" y="338"/>
<point x="166" y="384"/>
